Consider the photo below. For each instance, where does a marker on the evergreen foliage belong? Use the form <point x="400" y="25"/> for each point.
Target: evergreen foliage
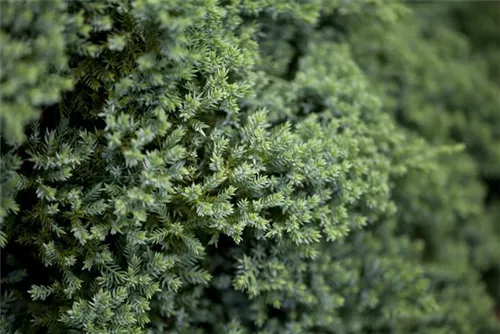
<point x="249" y="166"/>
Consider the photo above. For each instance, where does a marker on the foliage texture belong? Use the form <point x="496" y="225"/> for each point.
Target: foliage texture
<point x="243" y="166"/>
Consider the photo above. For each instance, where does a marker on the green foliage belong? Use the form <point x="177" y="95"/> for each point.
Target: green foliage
<point x="442" y="85"/>
<point x="246" y="167"/>
<point x="433" y="83"/>
<point x="33" y="61"/>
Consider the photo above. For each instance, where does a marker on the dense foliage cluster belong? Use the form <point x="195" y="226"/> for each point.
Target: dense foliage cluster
<point x="243" y="166"/>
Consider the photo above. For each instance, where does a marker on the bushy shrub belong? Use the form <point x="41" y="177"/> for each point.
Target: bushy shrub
<point x="247" y="166"/>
